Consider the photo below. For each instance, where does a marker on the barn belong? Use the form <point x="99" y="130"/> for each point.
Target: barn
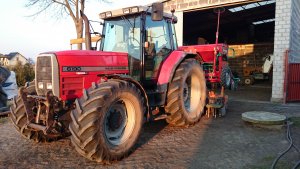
<point x="255" y="29"/>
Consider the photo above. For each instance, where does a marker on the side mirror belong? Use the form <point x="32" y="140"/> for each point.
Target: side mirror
<point x="157" y="11"/>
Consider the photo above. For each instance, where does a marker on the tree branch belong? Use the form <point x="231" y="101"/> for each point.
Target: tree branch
<point x="42" y="10"/>
<point x="70" y="10"/>
<point x="82" y="2"/>
<point x="31" y="3"/>
<point x="77" y="11"/>
<point x="55" y="1"/>
<point x="73" y="2"/>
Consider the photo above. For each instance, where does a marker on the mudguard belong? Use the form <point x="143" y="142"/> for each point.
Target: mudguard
<point x="169" y="66"/>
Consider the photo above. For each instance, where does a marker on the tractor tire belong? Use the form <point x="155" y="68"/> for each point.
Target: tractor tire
<point x="107" y="121"/>
<point x="19" y="118"/>
<point x="186" y="95"/>
<point x="226" y="77"/>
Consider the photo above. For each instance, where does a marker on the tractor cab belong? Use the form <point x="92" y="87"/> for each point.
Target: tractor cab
<point x="145" y="33"/>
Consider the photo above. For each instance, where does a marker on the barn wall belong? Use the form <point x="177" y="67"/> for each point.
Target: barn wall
<point x="281" y="44"/>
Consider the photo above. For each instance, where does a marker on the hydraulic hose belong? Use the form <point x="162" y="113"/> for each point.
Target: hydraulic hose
<point x="290" y="140"/>
<point x="297" y="165"/>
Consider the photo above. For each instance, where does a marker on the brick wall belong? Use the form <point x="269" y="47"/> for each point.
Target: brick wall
<point x="281" y="43"/>
<point x="249" y="55"/>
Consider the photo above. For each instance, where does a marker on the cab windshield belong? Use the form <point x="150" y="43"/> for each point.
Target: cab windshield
<point x="122" y="34"/>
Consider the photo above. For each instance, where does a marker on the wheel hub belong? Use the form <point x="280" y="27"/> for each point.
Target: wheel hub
<point x="119" y="122"/>
<point x="185" y="92"/>
<point x="191" y="92"/>
<point x="115" y="120"/>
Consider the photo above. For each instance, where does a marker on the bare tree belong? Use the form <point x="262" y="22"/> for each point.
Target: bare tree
<point x="61" y="7"/>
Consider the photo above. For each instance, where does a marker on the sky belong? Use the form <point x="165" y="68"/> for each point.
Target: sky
<point x="31" y="36"/>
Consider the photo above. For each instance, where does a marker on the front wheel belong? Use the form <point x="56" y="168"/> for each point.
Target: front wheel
<point x="186" y="96"/>
<point x="107" y="121"/>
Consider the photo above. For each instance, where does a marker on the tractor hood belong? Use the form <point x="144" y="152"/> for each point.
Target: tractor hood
<point x="67" y="73"/>
<point x="86" y="59"/>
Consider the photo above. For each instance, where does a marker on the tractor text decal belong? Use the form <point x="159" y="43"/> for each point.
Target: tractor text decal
<point x="91" y="68"/>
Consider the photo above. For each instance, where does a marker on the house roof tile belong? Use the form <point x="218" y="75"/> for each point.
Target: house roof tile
<point x="11" y="55"/>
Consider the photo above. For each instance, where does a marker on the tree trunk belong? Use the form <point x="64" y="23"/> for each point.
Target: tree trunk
<point x="79" y="32"/>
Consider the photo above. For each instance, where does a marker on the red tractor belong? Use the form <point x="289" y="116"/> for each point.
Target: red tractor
<point x="215" y="59"/>
<point x="215" y="63"/>
<point x="102" y="98"/>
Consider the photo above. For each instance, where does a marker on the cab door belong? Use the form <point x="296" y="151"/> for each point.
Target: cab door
<point x="159" y="44"/>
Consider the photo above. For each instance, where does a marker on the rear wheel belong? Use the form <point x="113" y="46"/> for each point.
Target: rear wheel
<point x="107" y="121"/>
<point x="186" y="96"/>
<point x="226" y="77"/>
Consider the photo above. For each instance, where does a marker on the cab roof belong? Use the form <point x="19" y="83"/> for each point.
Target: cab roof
<point x="128" y="11"/>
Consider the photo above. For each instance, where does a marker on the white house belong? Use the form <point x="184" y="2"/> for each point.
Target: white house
<point x="12" y="59"/>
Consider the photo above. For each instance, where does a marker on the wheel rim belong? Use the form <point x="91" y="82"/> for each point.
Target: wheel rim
<point x="192" y="92"/>
<point x="247" y="81"/>
<point x="119" y="122"/>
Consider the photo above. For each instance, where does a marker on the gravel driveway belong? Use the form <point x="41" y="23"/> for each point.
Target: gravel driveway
<point x="212" y="143"/>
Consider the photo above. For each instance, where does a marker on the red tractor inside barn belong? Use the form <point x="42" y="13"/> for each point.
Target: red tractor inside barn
<point x="215" y="59"/>
<point x="102" y="98"/>
<point x="215" y="63"/>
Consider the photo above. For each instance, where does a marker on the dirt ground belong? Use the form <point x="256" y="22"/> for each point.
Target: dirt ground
<point x="225" y="142"/>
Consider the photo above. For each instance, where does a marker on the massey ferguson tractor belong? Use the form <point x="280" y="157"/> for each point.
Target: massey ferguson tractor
<point x="102" y="98"/>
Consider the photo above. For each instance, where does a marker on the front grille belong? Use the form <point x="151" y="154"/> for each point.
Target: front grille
<point x="43" y="74"/>
<point x="72" y="87"/>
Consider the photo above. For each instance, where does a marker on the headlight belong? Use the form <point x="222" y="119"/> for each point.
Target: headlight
<point x="41" y="85"/>
<point x="49" y="86"/>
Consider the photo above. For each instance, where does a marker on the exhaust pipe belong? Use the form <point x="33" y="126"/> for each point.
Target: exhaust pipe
<point x="88" y="42"/>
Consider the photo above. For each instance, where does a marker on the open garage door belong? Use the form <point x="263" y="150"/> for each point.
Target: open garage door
<point x="247" y="27"/>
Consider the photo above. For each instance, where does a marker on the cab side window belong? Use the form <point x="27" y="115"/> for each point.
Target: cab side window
<point x="159" y="46"/>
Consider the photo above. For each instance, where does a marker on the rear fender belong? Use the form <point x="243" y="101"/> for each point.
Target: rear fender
<point x="170" y="65"/>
